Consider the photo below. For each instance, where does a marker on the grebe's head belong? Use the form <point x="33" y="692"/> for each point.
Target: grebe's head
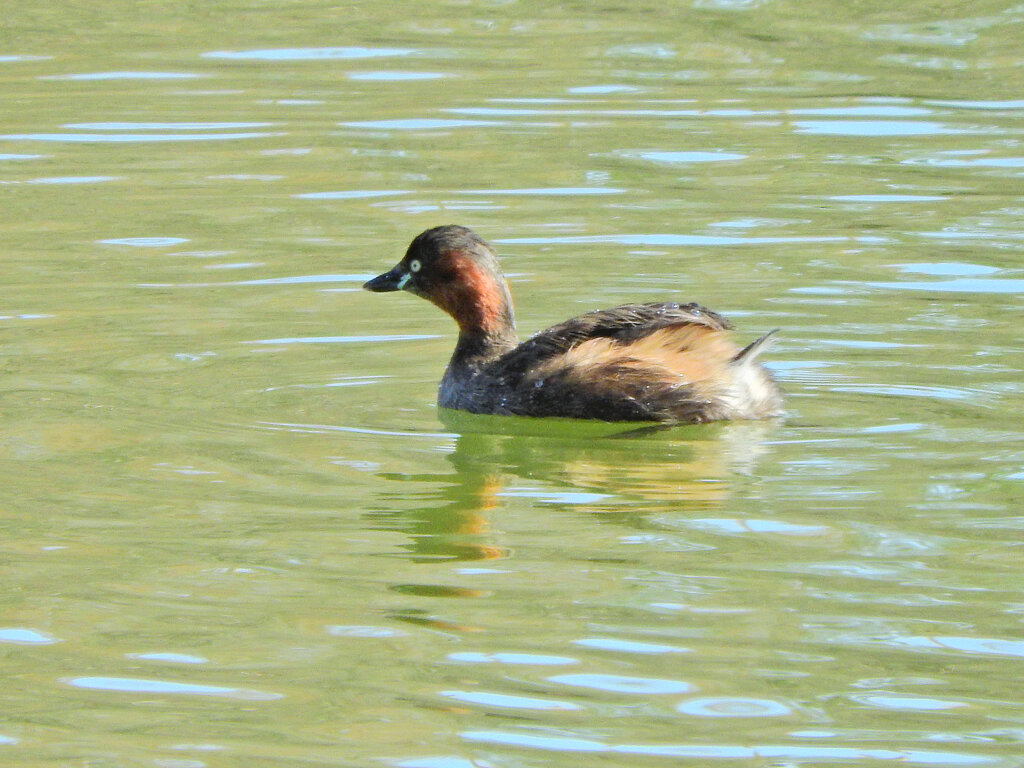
<point x="458" y="271"/>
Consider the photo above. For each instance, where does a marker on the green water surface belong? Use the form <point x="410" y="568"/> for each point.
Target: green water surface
<point x="236" y="531"/>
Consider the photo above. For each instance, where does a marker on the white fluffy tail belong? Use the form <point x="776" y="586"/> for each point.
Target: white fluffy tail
<point x="755" y="394"/>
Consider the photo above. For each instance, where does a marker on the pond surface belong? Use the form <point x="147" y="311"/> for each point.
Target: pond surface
<point x="238" y="532"/>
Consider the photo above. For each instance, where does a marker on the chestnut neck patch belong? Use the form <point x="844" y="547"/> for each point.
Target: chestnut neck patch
<point x="473" y="294"/>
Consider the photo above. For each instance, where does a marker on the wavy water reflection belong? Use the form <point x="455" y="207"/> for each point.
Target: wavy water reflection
<point x="162" y="126"/>
<point x="879" y="128"/>
<point x="623" y="684"/>
<point x="170" y="658"/>
<point x="126" y="138"/>
<point x="520" y="659"/>
<point x="420" y="124"/>
<point x="794" y="753"/>
<point x="310" y="54"/>
<point x="662" y="156"/>
<point x="25" y="636"/>
<point x="620" y="645"/>
<point x="506" y="701"/>
<point x="124" y="76"/>
<point x="663" y="239"/>
<point x="145" y="242"/>
<point x="67" y="180"/>
<point x="396" y="76"/>
<point x="133" y="685"/>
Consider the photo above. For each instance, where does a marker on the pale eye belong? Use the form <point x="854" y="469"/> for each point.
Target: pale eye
<point x="414" y="265"/>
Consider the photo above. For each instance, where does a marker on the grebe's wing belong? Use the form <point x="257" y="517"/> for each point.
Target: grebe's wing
<point x="638" y="362"/>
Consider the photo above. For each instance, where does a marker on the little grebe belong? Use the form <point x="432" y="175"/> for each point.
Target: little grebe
<point x="638" y="362"/>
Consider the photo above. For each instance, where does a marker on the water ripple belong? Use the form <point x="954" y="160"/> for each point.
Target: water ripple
<point x="554" y="497"/>
<point x="729" y="5"/>
<point x="665" y="239"/>
<point x="999" y="105"/>
<point x="344" y="339"/>
<point x="503" y="657"/>
<point x="965" y="285"/>
<point x="309" y="54"/>
<point x="9" y="57"/>
<point x="876" y="128"/>
<point x="627" y="646"/>
<point x="545" y="191"/>
<point x="396" y="76"/>
<point x="984" y="646"/>
<point x="678" y="158"/>
<point x="728" y="706"/>
<point x="366" y="631"/>
<point x="122" y="126"/>
<point x="352" y="194"/>
<point x="326" y="428"/>
<point x="506" y="701"/>
<point x="145" y="242"/>
<point x="418" y="124"/>
<point x="172" y="658"/>
<point x="123" y="138"/>
<point x="124" y="76"/>
<point x="950" y="32"/>
<point x="887" y="198"/>
<point x="623" y="684"/>
<point x="439" y="762"/>
<point x="977" y="162"/>
<point x="731" y="525"/>
<point x="905" y="703"/>
<point x="862" y="111"/>
<point x="603" y="89"/>
<point x="135" y="685"/>
<point x="563" y="112"/>
<point x="792" y="752"/>
<point x="642" y="51"/>
<point x="946" y="268"/>
<point x="25" y="636"/>
<point x="69" y="180"/>
<point x="301" y="279"/>
<point x="972" y="234"/>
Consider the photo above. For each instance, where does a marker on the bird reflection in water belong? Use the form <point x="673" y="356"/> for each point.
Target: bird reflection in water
<point x="591" y="466"/>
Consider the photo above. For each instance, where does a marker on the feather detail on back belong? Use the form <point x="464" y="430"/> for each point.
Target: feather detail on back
<point x="675" y="354"/>
<point x="622" y="324"/>
<point x="671" y="373"/>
